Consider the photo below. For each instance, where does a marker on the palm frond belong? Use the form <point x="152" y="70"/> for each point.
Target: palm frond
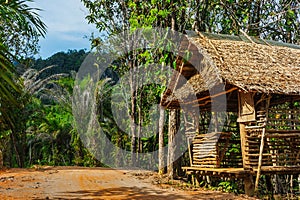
<point x="19" y="13"/>
<point x="8" y="79"/>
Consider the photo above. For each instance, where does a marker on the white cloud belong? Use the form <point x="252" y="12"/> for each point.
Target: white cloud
<point x="65" y="20"/>
<point x="74" y="36"/>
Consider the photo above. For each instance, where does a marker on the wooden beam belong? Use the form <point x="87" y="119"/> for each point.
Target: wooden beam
<point x="211" y="96"/>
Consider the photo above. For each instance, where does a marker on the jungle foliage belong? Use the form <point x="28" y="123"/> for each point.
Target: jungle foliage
<point x="36" y="121"/>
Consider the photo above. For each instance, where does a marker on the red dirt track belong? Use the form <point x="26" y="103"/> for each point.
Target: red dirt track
<point x="90" y="183"/>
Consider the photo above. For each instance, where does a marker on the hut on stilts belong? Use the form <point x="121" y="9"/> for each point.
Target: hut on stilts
<point x="255" y="80"/>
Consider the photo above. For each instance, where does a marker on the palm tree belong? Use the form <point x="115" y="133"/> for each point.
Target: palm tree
<point x="20" y="26"/>
<point x="18" y="18"/>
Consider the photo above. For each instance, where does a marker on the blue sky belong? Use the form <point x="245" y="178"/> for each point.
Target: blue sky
<point x="66" y="26"/>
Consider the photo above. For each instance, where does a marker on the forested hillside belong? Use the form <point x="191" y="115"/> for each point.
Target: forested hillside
<point x="65" y="62"/>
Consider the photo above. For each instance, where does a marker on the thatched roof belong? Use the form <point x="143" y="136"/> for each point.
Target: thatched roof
<point x="247" y="63"/>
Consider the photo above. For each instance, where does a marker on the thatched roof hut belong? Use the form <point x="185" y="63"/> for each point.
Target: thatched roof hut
<point x="248" y="64"/>
<point x="257" y="80"/>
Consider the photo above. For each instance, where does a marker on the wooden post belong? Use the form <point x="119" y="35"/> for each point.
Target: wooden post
<point x="173" y="128"/>
<point x="249" y="185"/>
<point x="161" y="163"/>
<point x="197" y="180"/>
<point x="243" y="144"/>
<point x="246" y="115"/>
<point x="190" y="151"/>
<point x="193" y="175"/>
<point x="248" y="180"/>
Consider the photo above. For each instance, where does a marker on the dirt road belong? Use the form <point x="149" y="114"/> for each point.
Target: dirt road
<point x="89" y="183"/>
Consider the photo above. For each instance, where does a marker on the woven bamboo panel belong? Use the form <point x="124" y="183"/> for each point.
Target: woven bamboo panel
<point x="216" y="150"/>
<point x="204" y="150"/>
<point x="281" y="148"/>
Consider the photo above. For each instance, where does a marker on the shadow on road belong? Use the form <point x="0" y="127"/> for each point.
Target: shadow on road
<point x="120" y="193"/>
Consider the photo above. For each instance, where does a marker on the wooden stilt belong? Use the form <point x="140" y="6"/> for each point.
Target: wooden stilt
<point x="249" y="185"/>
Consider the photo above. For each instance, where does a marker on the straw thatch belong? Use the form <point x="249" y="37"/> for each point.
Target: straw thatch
<point x="249" y="65"/>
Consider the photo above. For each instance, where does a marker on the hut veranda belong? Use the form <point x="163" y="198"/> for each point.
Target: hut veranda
<point x="260" y="83"/>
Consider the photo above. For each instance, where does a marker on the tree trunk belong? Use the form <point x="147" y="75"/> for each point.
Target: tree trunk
<point x="16" y="149"/>
<point x="173" y="128"/>
<point x="1" y="160"/>
<point x="139" y="130"/>
<point x="178" y="140"/>
<point x="161" y="163"/>
<point x="133" y="113"/>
